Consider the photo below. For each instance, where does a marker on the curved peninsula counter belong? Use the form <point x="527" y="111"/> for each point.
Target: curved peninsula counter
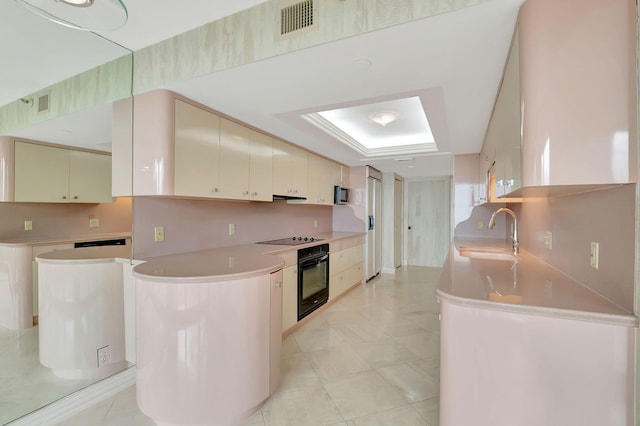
<point x="18" y="289"/>
<point x="522" y="343"/>
<point x="81" y="310"/>
<point x="209" y="334"/>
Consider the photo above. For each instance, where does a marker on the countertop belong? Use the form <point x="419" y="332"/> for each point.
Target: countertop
<point x="42" y="241"/>
<point x="224" y="263"/>
<point x="526" y="286"/>
<point x="87" y="255"/>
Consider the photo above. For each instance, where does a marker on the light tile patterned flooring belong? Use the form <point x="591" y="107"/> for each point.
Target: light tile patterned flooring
<point x="372" y="358"/>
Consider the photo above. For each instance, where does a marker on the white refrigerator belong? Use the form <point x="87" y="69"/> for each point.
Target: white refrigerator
<point x="374" y="222"/>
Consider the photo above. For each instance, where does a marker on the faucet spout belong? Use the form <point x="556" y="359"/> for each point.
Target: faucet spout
<point x="492" y="224"/>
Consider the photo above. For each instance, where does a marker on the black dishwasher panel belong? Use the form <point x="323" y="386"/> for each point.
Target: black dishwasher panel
<point x="117" y="242"/>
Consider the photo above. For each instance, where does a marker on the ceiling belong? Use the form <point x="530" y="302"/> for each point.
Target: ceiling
<point x="453" y="62"/>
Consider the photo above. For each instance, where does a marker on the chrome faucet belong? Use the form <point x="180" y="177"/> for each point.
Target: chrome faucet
<point x="492" y="224"/>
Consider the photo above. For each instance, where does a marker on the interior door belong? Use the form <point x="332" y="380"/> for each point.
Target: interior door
<point x="397" y="222"/>
<point x="428" y="227"/>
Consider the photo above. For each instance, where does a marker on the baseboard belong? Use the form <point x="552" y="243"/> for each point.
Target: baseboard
<point x="387" y="270"/>
<point x="79" y="401"/>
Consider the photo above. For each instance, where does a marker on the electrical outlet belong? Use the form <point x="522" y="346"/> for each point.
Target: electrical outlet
<point x="94" y="223"/>
<point x="595" y="255"/>
<point x="28" y="225"/>
<point x="548" y="240"/>
<point x="315" y="223"/>
<point x="232" y="229"/>
<point x="104" y="355"/>
<point x="480" y="225"/>
<point x="159" y="233"/>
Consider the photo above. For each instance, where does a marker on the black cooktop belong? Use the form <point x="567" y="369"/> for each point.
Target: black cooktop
<point x="291" y="241"/>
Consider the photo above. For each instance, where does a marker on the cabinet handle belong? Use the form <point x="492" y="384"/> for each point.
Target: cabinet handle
<point x="510" y="182"/>
<point x="295" y="191"/>
<point x="64" y="197"/>
<point x="245" y="192"/>
<point x="75" y="197"/>
<point x="254" y="194"/>
<point x="214" y="189"/>
<point x="500" y="182"/>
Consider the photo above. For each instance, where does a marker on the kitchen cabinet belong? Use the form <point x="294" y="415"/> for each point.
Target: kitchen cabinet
<point x="197" y="151"/>
<point x="233" y="316"/>
<point x="260" y="167"/>
<point x="289" y="297"/>
<point x="275" y="330"/>
<point x="500" y="161"/>
<point x="525" y="361"/>
<point x="579" y="93"/>
<point x="218" y="158"/>
<point x="321" y="179"/>
<point x="234" y="160"/>
<point x="59" y="175"/>
<point x="289" y="170"/>
<point x="346" y="265"/>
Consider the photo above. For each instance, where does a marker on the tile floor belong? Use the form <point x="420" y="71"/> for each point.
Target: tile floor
<point x="371" y="358"/>
<point x="26" y="385"/>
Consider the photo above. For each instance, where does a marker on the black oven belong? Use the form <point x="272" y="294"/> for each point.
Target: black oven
<point x="313" y="278"/>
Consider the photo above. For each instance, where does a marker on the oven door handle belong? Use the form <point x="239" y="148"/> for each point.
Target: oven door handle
<point x="313" y="260"/>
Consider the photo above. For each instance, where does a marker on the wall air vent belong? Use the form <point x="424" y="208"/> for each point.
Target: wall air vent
<point x="297" y="16"/>
<point x="43" y="103"/>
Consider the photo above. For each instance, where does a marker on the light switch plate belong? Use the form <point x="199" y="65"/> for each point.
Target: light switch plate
<point x="595" y="255"/>
<point x="159" y="233"/>
<point x="548" y="240"/>
<point x="28" y="225"/>
<point x="232" y="229"/>
<point x="94" y="223"/>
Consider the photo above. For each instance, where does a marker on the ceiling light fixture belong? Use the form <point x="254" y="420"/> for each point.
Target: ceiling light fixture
<point x="78" y="3"/>
<point x="383" y="117"/>
<point x="84" y="15"/>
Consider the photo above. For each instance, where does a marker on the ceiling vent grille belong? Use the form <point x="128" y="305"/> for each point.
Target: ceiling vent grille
<point x="296" y="17"/>
<point x="43" y="103"/>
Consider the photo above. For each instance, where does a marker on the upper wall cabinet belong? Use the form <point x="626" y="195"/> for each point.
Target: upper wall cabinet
<point x="59" y="175"/>
<point x="578" y="89"/>
<point x="500" y="156"/>
<point x="197" y="151"/>
<point x="289" y="170"/>
<point x="181" y="149"/>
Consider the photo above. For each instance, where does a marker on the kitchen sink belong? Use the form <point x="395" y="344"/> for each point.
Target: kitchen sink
<point x="488" y="253"/>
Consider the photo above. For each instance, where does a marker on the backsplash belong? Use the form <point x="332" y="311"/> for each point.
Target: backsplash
<point x="63" y="220"/>
<point x="606" y="217"/>
<point x="191" y="224"/>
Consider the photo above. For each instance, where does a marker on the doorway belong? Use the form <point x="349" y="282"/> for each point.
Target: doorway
<point x="428" y="221"/>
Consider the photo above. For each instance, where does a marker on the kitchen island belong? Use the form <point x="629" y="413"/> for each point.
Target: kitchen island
<point x="522" y="343"/>
<point x="210" y="330"/>
<point x="18" y="286"/>
<point x="81" y="305"/>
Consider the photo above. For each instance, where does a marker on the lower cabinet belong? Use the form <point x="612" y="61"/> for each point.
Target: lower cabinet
<point x="289" y="297"/>
<point x="346" y="268"/>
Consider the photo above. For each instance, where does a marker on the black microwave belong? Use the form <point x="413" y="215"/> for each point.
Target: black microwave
<point x="340" y="195"/>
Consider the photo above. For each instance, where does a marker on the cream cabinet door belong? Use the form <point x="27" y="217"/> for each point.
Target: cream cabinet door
<point x="41" y="173"/>
<point x="299" y="165"/>
<point x="234" y="160"/>
<point x="281" y="168"/>
<point x="289" y="297"/>
<point x="197" y="151"/>
<point x="260" y="167"/>
<point x="89" y="177"/>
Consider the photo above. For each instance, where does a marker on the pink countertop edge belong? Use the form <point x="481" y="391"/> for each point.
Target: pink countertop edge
<point x="541" y="289"/>
<point x="224" y="263"/>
